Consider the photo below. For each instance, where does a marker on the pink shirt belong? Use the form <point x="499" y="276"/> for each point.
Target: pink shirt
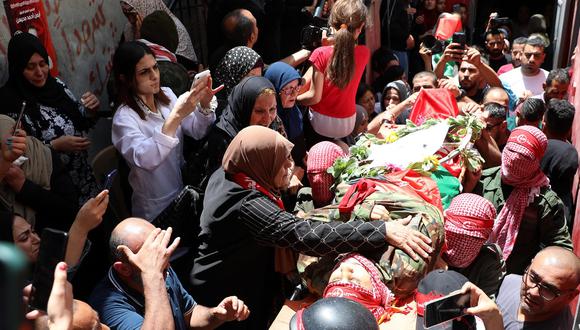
<point x="336" y="102"/>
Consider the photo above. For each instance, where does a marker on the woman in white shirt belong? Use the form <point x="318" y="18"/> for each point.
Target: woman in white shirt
<point x="149" y="124"/>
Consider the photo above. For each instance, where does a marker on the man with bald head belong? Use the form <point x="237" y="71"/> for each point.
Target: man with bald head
<point x="549" y="284"/>
<point x="141" y="291"/>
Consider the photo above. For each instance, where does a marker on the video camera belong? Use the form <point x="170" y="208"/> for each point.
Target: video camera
<point x="311" y="35"/>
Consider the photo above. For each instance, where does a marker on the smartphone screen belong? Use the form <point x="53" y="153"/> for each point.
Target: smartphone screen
<point x="199" y="76"/>
<point x="446" y="308"/>
<point x="109" y="179"/>
<point x="19" y="119"/>
<point x="459" y="38"/>
<point x="52" y="251"/>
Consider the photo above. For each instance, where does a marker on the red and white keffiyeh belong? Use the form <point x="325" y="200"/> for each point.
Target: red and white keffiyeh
<point x="468" y="224"/>
<point x="376" y="300"/>
<point x="320" y="157"/>
<point x="520" y="168"/>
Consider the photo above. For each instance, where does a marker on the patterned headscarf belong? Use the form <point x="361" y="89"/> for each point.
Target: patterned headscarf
<point x="320" y="157"/>
<point x="468" y="223"/>
<point x="376" y="300"/>
<point x="235" y="66"/>
<point x="520" y="168"/>
<point x="147" y="7"/>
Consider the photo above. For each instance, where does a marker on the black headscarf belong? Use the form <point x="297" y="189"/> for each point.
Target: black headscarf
<point x="20" y="49"/>
<point x="241" y="101"/>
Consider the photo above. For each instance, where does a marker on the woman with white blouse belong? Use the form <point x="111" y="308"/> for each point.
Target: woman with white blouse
<point x="149" y="124"/>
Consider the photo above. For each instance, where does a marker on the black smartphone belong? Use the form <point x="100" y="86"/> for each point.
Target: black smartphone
<point x="52" y="251"/>
<point x="19" y="119"/>
<point x="13" y="271"/>
<point x="446" y="308"/>
<point x="459" y="38"/>
<point x="109" y="179"/>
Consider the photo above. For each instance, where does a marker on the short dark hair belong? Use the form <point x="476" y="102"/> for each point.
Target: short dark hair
<point x="493" y="31"/>
<point x="422" y="74"/>
<point x="536" y="42"/>
<point x="242" y="29"/>
<point x="495" y="110"/>
<point x="560" y="75"/>
<point x="559" y="116"/>
<point x="520" y="41"/>
<point x="380" y="58"/>
<point x="362" y="89"/>
<point x="533" y="109"/>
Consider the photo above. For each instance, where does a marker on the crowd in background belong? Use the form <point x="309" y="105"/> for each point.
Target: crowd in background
<point x="231" y="181"/>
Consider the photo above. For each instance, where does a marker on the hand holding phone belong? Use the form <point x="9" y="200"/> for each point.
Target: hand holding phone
<point x="459" y="38"/>
<point x="109" y="179"/>
<point x="19" y="119"/>
<point x="446" y="308"/>
<point x="199" y="76"/>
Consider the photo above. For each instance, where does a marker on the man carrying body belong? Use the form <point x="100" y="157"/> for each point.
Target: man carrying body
<point x="545" y="290"/>
<point x="142" y="291"/>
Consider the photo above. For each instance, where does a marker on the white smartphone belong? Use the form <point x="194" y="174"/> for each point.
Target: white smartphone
<point x="199" y="76"/>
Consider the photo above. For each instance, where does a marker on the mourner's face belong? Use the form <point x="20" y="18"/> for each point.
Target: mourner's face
<point x="533" y="57"/>
<point x="36" y="70"/>
<point x="264" y="111"/>
<point x="289" y="93"/>
<point x="282" y="179"/>
<point x="147" y="76"/>
<point x="368" y="102"/>
<point x="391" y="97"/>
<point x="25" y="238"/>
<point x="546" y="289"/>
<point x="556" y="90"/>
<point x="351" y="271"/>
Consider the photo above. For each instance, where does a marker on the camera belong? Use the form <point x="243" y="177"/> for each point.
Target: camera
<point x="434" y="45"/>
<point x="311" y="36"/>
<point x="499" y="22"/>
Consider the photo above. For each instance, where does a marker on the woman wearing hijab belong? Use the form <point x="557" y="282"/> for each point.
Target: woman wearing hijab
<point x="52" y="114"/>
<point x="287" y="82"/>
<point x="137" y="10"/>
<point x="251" y="102"/>
<point x="243" y="220"/>
<point x="238" y="63"/>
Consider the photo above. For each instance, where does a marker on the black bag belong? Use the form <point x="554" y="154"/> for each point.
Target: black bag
<point x="183" y="216"/>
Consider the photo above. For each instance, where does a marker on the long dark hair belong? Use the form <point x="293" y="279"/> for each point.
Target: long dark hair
<point x="124" y="62"/>
<point x="346" y="16"/>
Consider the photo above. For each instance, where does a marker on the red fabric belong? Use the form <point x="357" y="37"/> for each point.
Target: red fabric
<point x="356" y="194"/>
<point x="418" y="185"/>
<point x="336" y="102"/>
<point x="520" y="168"/>
<point x="505" y="68"/>
<point x="320" y="157"/>
<point x="248" y="183"/>
<point x="421" y="299"/>
<point x="376" y="300"/>
<point x="446" y="26"/>
<point x="436" y="103"/>
<point x="299" y="323"/>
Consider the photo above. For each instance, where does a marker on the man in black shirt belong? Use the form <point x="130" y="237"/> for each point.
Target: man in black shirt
<point x="560" y="161"/>
<point x="495" y="45"/>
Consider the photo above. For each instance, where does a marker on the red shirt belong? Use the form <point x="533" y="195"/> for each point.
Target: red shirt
<point x="505" y="68"/>
<point x="336" y="102"/>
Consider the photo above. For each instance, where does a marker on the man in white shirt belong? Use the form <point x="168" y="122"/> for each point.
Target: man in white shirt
<point x="528" y="79"/>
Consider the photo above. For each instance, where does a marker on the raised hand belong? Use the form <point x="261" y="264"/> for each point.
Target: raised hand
<point x="230" y="309"/>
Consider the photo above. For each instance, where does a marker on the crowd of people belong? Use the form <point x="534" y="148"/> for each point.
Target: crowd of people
<point x="267" y="187"/>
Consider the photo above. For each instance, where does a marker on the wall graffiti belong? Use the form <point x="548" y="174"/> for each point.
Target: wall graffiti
<point x="85" y="35"/>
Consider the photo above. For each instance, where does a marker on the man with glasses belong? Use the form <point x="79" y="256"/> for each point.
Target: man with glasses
<point x="548" y="285"/>
<point x="495" y="45"/>
<point x="529" y="78"/>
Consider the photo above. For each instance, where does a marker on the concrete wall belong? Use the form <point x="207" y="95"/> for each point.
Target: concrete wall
<point x="85" y="34"/>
